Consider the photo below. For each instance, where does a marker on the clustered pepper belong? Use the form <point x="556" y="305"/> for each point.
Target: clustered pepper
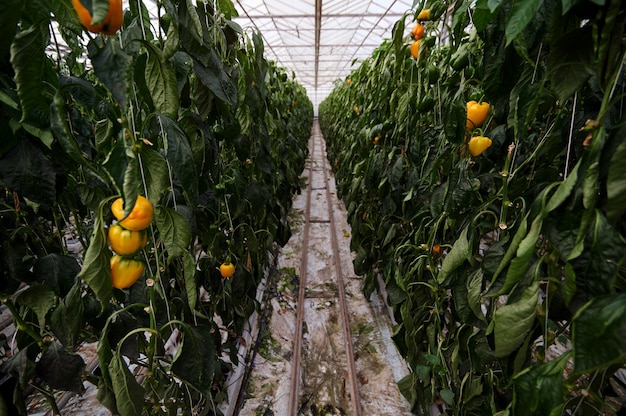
<point x="478" y="144"/>
<point x="127" y="237"/>
<point x="476" y="114"/>
<point x="415" y="48"/>
<point x="139" y="218"/>
<point x="125" y="271"/>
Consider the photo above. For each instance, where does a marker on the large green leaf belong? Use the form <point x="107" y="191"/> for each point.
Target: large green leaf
<point x="68" y="317"/>
<point x="110" y="64"/>
<point x="155" y="173"/>
<point x="616" y="184"/>
<point x="57" y="271"/>
<point x="128" y="392"/>
<point x="570" y="62"/>
<point x="196" y="359"/>
<point x="10" y="11"/>
<point x="20" y="366"/>
<point x="213" y="76"/>
<point x="27" y="171"/>
<point x="459" y="253"/>
<point x="189" y="272"/>
<point x="39" y="298"/>
<point x="174" y="230"/>
<point x="30" y="66"/>
<point x="179" y="156"/>
<point x="61" y="369"/>
<point x="161" y="82"/>
<point x="539" y="390"/>
<point x="521" y="15"/>
<point x="96" y="270"/>
<point x="513" y="321"/>
<point x="598" y="330"/>
<point x="65" y="136"/>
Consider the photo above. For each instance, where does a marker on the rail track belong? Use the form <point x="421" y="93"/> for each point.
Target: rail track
<point x="342" y="387"/>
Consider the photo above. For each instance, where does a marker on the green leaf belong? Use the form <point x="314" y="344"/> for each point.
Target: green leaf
<point x="521" y="262"/>
<point x="513" y="321"/>
<point x="21" y="366"/>
<point x="30" y="66"/>
<point x="570" y="62"/>
<point x="65" y="137"/>
<point x="396" y="173"/>
<point x="189" y="272"/>
<point x="96" y="270"/>
<point x="39" y="298"/>
<point x="227" y="8"/>
<point x="448" y="396"/>
<point x="540" y="387"/>
<point x="105" y="355"/>
<point x="179" y="155"/>
<point x="27" y="171"/>
<point x="216" y="79"/>
<point x="110" y="64"/>
<point x="483" y="14"/>
<point x="192" y="14"/>
<point x="598" y="330"/>
<point x="68" y="318"/>
<point x="398" y="36"/>
<point x="563" y="191"/>
<point x="106" y="396"/>
<point x="493" y="4"/>
<point x="196" y="360"/>
<point x="128" y="393"/>
<point x="61" y="369"/>
<point x="155" y="173"/>
<point x="407" y="386"/>
<point x="459" y="253"/>
<point x="172" y="40"/>
<point x="474" y="291"/>
<point x="10" y="11"/>
<point x="161" y="82"/>
<point x="606" y="252"/>
<point x="521" y="15"/>
<point x="616" y="184"/>
<point x="174" y="230"/>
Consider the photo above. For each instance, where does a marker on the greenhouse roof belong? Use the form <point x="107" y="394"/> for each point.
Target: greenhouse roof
<point x="320" y="40"/>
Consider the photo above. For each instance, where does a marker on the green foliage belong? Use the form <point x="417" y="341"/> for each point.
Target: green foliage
<point x="492" y="263"/>
<point x="185" y="111"/>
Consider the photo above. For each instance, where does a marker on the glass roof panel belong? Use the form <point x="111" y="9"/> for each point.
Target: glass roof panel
<point x="318" y="40"/>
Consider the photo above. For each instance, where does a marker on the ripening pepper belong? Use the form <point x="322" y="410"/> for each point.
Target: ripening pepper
<point x="111" y="23"/>
<point x="139" y="218"/>
<point x="479" y="144"/>
<point x="125" y="272"/>
<point x="126" y="242"/>
<point x="476" y="114"/>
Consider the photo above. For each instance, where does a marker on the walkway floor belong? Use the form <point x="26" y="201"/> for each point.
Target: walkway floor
<point x="323" y="380"/>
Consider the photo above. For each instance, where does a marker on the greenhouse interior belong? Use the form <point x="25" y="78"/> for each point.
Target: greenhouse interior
<point x="254" y="207"/>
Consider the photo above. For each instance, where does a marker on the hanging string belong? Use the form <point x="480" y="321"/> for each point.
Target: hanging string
<point x="571" y="134"/>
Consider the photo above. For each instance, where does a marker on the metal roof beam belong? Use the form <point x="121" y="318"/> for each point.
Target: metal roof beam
<point x="318" y="29"/>
<point x="330" y="15"/>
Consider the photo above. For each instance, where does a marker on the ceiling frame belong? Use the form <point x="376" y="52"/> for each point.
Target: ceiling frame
<point x="320" y="39"/>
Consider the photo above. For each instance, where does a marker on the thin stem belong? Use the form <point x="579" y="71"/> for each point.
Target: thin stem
<point x="19" y="322"/>
<point x="49" y="398"/>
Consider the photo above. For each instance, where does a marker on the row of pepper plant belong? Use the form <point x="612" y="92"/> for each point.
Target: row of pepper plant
<point x="501" y="243"/>
<point x="179" y="107"/>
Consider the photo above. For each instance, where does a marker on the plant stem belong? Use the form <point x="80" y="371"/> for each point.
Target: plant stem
<point x="20" y="323"/>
